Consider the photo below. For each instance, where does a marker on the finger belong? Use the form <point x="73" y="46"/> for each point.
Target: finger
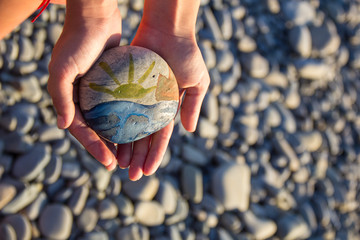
<point x="159" y="142"/>
<point x="60" y="87"/>
<point x="124" y="154"/>
<point x="141" y="148"/>
<point x="191" y="105"/>
<point x="91" y="141"/>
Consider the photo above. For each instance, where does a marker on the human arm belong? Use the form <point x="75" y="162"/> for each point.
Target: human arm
<point x="168" y="28"/>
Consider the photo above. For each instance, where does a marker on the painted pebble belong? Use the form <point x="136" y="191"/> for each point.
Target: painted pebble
<point x="129" y="93"/>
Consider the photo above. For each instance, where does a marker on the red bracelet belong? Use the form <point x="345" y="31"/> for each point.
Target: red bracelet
<point x="43" y="6"/>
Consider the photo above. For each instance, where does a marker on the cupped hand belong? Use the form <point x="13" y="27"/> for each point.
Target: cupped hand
<point x="184" y="57"/>
<point x="83" y="39"/>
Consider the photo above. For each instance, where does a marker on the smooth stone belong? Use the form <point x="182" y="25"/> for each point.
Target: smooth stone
<point x="53" y="32"/>
<point x="87" y="220"/>
<point x="49" y="133"/>
<point x="120" y="110"/>
<point x="292" y="97"/>
<point x="23" y="199"/>
<point x="33" y="210"/>
<point x="70" y="170"/>
<point x="53" y="169"/>
<point x="7" y="232"/>
<point x="61" y="146"/>
<point x="20" y="224"/>
<point x="99" y="174"/>
<point x="95" y="236"/>
<point x="18" y="143"/>
<point x="78" y="199"/>
<point x="212" y="23"/>
<point x="283" y="146"/>
<point x="300" y="40"/>
<point x="149" y="213"/>
<point x="313" y="69"/>
<point x="124" y="205"/>
<point x="24" y="68"/>
<point x="208" y="54"/>
<point x="207" y="129"/>
<point x="55" y="221"/>
<point x="7" y="193"/>
<point x="193" y="155"/>
<point x="210" y="107"/>
<point x="180" y="214"/>
<point x="287" y="118"/>
<point x="273" y="6"/>
<point x="260" y="228"/>
<point x="246" y="44"/>
<point x="293" y="227"/>
<point x="27" y="51"/>
<point x="299" y="12"/>
<point x="325" y="38"/>
<point x="133" y="232"/>
<point x="230" y="195"/>
<point x="310" y="141"/>
<point x="144" y="189"/>
<point x="226" y="117"/>
<point x="192" y="183"/>
<point x="28" y="166"/>
<point x="272" y="117"/>
<point x="224" y="60"/>
<point x="276" y="79"/>
<point x="167" y="197"/>
<point x="107" y="209"/>
<point x="256" y="65"/>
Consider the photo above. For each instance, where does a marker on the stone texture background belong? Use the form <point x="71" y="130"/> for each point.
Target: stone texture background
<point x="276" y="154"/>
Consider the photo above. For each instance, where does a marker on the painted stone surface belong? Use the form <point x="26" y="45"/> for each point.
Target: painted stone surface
<point x="128" y="94"/>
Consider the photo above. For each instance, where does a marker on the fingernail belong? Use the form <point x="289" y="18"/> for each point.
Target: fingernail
<point x="60" y="122"/>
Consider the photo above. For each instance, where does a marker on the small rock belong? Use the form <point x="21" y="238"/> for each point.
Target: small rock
<point x="192" y="155"/>
<point x="33" y="210"/>
<point x="192" y="183"/>
<point x="181" y="212"/>
<point x="256" y="65"/>
<point x="276" y="79"/>
<point x="299" y="12"/>
<point x="53" y="170"/>
<point x="20" y="224"/>
<point x="23" y="199"/>
<point x="283" y="146"/>
<point x="49" y="133"/>
<point x="144" y="190"/>
<point x="54" y="30"/>
<point x="28" y="166"/>
<point x="210" y="107"/>
<point x="18" y="143"/>
<point x="149" y="213"/>
<point x="325" y="38"/>
<point x="70" y="170"/>
<point x="55" y="221"/>
<point x="226" y="117"/>
<point x="7" y="232"/>
<point x="107" y="209"/>
<point x="292" y="97"/>
<point x="313" y="69"/>
<point x="134" y="231"/>
<point x="230" y="195"/>
<point x="211" y="22"/>
<point x="231" y="222"/>
<point x="87" y="220"/>
<point x="246" y="44"/>
<point x="260" y="228"/>
<point x="293" y="227"/>
<point x="24" y="68"/>
<point x="224" y="60"/>
<point x="167" y="197"/>
<point x="208" y="54"/>
<point x="229" y="82"/>
<point x="207" y="129"/>
<point x="27" y="52"/>
<point x="78" y="199"/>
<point x="95" y="236"/>
<point x="124" y="205"/>
<point x="272" y="117"/>
<point x="300" y="40"/>
<point x="273" y="6"/>
<point x="310" y="141"/>
<point x="7" y="193"/>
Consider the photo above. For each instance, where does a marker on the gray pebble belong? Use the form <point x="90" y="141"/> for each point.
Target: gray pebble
<point x="55" y="221"/>
<point x="7" y="232"/>
<point x="260" y="228"/>
<point x="70" y="170"/>
<point x="193" y="155"/>
<point x="144" y="189"/>
<point x="293" y="227"/>
<point x="211" y="22"/>
<point x="107" y="209"/>
<point x="180" y="214"/>
<point x="20" y="224"/>
<point x="313" y="69"/>
<point x="99" y="174"/>
<point x="95" y="236"/>
<point x="78" y="199"/>
<point x="256" y="65"/>
<point x="273" y="6"/>
<point x="27" y="28"/>
<point x="27" y="52"/>
<point x="300" y="40"/>
<point x="53" y="169"/>
<point x="224" y="60"/>
<point x="230" y="195"/>
<point x="231" y="222"/>
<point x="208" y="54"/>
<point x="309" y="141"/>
<point x="28" y="166"/>
<point x="87" y="220"/>
<point x="149" y="213"/>
<point x="124" y="205"/>
<point x="246" y="44"/>
<point x="48" y="133"/>
<point x="24" y="68"/>
<point x="299" y="12"/>
<point x="167" y="197"/>
<point x="325" y="38"/>
<point x="133" y="232"/>
<point x="192" y="183"/>
<point x="54" y="30"/>
<point x="207" y="129"/>
<point x="33" y="210"/>
<point x="23" y="199"/>
<point x="7" y="193"/>
<point x="210" y="107"/>
<point x="226" y="117"/>
<point x="61" y="146"/>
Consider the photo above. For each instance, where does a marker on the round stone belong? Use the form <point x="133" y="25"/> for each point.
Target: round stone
<point x="128" y="94"/>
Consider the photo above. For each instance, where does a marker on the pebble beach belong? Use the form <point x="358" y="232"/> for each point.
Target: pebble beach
<point x="276" y="154"/>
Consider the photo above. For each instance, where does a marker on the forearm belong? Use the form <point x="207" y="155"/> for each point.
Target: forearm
<point x="12" y="13"/>
<point x="176" y="17"/>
